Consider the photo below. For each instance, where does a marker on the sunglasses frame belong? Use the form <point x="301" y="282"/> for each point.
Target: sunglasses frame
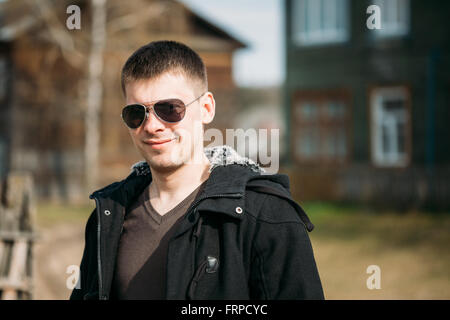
<point x="148" y="106"/>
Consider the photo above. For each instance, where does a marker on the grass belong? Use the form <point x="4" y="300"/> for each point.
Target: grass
<point x="407" y="230"/>
<point x="410" y="248"/>
<point x="51" y="214"/>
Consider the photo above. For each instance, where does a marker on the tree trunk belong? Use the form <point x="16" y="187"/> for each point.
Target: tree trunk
<point x="94" y="94"/>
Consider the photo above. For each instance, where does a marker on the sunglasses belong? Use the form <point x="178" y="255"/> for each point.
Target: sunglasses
<point x="168" y="110"/>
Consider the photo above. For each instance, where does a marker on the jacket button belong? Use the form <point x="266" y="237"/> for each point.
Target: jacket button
<point x="238" y="210"/>
<point x="212" y="264"/>
<point x="107" y="212"/>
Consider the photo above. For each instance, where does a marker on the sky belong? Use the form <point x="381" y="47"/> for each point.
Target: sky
<point x="257" y="23"/>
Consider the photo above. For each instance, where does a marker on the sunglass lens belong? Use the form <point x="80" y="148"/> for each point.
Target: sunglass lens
<point x="133" y="115"/>
<point x="170" y="110"/>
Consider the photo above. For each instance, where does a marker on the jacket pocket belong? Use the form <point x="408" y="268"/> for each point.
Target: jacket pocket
<point x="208" y="266"/>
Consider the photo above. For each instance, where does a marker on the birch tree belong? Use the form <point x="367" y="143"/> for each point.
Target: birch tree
<point x="94" y="93"/>
<point x="101" y="28"/>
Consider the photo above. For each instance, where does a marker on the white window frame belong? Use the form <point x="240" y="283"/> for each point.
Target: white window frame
<point x="384" y="120"/>
<point x="395" y="18"/>
<point x="326" y="31"/>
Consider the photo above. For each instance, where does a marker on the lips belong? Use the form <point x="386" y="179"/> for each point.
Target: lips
<point x="157" y="142"/>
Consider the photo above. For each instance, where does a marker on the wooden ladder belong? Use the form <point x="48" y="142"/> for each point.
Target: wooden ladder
<point x="16" y="238"/>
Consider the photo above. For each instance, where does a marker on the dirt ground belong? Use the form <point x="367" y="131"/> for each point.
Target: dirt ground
<point x="58" y="247"/>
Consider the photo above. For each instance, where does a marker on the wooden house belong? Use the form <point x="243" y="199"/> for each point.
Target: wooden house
<point x="368" y="109"/>
<point x="43" y="84"/>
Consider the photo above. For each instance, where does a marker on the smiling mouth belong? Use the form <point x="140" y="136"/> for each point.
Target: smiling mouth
<point x="158" y="142"/>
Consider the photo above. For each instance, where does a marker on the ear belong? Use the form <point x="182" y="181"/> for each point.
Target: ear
<point x="208" y="107"/>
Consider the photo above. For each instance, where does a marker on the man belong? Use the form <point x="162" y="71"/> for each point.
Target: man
<point x="189" y="222"/>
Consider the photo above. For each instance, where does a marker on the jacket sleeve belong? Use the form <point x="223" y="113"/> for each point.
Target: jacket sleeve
<point x="88" y="267"/>
<point x="283" y="264"/>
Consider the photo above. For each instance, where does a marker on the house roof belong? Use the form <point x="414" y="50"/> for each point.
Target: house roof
<point x="17" y="18"/>
<point x="203" y="23"/>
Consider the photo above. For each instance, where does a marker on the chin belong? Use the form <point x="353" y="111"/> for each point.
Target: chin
<point x="169" y="159"/>
<point x="165" y="162"/>
<point x="164" y="166"/>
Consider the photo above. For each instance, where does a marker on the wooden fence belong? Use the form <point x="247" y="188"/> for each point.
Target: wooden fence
<point x="17" y="235"/>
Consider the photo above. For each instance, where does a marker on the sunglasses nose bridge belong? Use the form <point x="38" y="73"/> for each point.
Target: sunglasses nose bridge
<point x="148" y="110"/>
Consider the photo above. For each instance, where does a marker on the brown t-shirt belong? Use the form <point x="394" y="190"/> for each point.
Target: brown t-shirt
<point x="140" y="271"/>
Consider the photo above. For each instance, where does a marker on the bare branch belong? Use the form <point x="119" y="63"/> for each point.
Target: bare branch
<point x="133" y="19"/>
<point x="58" y="33"/>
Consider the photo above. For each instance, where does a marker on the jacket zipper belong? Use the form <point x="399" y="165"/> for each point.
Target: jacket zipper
<point x="99" y="263"/>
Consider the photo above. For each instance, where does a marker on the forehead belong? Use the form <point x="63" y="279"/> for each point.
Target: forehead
<point x="168" y="85"/>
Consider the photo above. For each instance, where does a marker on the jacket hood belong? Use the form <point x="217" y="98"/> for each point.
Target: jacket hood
<point x="229" y="170"/>
<point x="230" y="173"/>
<point x="217" y="156"/>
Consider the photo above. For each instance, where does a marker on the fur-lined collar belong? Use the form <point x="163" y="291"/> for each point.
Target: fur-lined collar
<point x="217" y="156"/>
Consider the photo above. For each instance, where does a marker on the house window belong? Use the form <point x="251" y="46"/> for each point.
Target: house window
<point x="390" y="127"/>
<point x="394" y="18"/>
<point x="317" y="22"/>
<point x="320" y="127"/>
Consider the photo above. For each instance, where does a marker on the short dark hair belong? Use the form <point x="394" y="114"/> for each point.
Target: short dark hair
<point x="158" y="57"/>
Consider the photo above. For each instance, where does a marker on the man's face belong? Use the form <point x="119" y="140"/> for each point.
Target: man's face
<point x="167" y="146"/>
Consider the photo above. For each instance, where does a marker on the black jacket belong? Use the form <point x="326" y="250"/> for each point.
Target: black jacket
<point x="243" y="238"/>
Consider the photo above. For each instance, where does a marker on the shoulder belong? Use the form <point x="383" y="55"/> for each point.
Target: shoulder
<point x="270" y="208"/>
<point x="138" y="173"/>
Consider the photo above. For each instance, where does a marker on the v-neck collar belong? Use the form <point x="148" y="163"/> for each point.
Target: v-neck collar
<point x="162" y="218"/>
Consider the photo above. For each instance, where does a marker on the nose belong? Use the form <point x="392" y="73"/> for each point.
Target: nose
<point x="152" y="123"/>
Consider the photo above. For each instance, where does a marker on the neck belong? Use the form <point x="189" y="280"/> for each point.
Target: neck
<point x="175" y="185"/>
